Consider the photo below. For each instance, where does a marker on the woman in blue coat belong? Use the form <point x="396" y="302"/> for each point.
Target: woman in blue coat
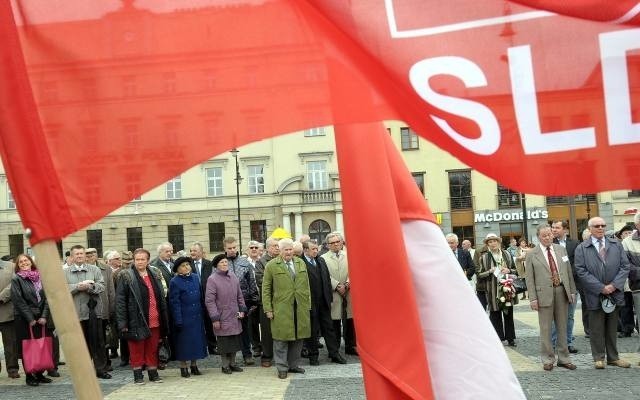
<point x="186" y="309"/>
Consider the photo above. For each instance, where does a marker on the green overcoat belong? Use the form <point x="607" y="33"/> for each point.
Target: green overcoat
<point x="279" y="291"/>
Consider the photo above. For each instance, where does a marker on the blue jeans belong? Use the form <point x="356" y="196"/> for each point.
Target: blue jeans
<point x="570" y="321"/>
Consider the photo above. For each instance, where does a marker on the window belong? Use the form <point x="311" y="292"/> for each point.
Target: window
<point x="314" y="132"/>
<point x="216" y="234"/>
<point x="317" y="175"/>
<point x="508" y="197"/>
<point x="419" y="178"/>
<point x="214" y="181"/>
<point x="408" y="139"/>
<point x="174" y="188"/>
<point x="11" y="204"/>
<point x="318" y="230"/>
<point x="632" y="193"/>
<point x="175" y="236"/>
<point x="256" y="179"/>
<point x="16" y="244"/>
<point x="460" y="190"/>
<point x="94" y="239"/>
<point x="464" y="233"/>
<point x="134" y="238"/>
<point x="258" y="230"/>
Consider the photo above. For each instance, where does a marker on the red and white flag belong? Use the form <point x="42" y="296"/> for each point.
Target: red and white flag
<point x="129" y="93"/>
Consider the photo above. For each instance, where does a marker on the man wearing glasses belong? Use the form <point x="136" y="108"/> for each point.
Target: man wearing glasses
<point x="602" y="268"/>
<point x="341" y="313"/>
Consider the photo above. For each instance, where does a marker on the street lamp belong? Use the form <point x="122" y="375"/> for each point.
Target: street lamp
<point x="238" y="179"/>
<point x="525" y="227"/>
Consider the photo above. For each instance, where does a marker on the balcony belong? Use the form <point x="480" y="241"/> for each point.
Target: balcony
<point x="564" y="200"/>
<point x="461" y="203"/>
<point x="317" y="196"/>
<point x="508" y="200"/>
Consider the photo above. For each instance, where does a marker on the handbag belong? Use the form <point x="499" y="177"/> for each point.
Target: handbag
<point x="520" y="284"/>
<point x="164" y="351"/>
<point x="37" y="355"/>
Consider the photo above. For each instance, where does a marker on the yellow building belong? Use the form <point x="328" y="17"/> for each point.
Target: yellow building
<point x="292" y="181"/>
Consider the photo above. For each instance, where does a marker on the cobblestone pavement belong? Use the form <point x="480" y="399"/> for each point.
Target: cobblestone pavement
<point x="344" y="382"/>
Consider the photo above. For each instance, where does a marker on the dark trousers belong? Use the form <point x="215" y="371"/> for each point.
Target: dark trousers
<point x="503" y="324"/>
<point x="603" y="337"/>
<point x="212" y="343"/>
<point x="265" y="335"/>
<point x="55" y="341"/>
<point x="627" y="318"/>
<point x="10" y="344"/>
<point x="322" y="323"/>
<point x="245" y="336"/>
<point x="345" y="328"/>
<point x="254" y="327"/>
<point x="124" y="350"/>
<point x="482" y="297"/>
<point x="97" y="353"/>
<point x="585" y="312"/>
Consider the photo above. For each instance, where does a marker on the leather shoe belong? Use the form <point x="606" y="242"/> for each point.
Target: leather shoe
<point x="570" y="366"/>
<point x="103" y="375"/>
<point x="13" y="374"/>
<point x="572" y="350"/>
<point x="53" y="373"/>
<point x="512" y="343"/>
<point x="226" y="370"/>
<point x="620" y="363"/>
<point x="282" y="374"/>
<point x="62" y="363"/>
<point x="338" y="359"/>
<point x="547" y="367"/>
<point x="296" y="370"/>
<point x="599" y="364"/>
<point x="249" y="361"/>
<point x="266" y="364"/>
<point x="235" y="368"/>
<point x="351" y="351"/>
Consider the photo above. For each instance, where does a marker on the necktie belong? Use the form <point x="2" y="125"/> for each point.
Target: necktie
<point x="601" y="249"/>
<point x="291" y="270"/>
<point x="555" y="278"/>
<point x="198" y="267"/>
<point x="313" y="262"/>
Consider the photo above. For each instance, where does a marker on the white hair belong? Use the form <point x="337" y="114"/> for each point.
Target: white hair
<point x="333" y="234"/>
<point x="164" y="245"/>
<point x="111" y="254"/>
<point x="451" y="236"/>
<point x="286" y="242"/>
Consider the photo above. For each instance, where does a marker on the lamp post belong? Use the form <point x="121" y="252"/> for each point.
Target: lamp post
<point x="525" y="228"/>
<point x="238" y="179"/>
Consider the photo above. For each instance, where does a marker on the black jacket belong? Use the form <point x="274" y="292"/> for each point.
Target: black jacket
<point x="132" y="303"/>
<point x="25" y="303"/>
<point x="319" y="283"/>
<point x="464" y="258"/>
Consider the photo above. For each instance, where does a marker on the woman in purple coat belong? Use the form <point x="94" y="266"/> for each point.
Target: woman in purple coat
<point x="226" y="307"/>
<point x="186" y="309"/>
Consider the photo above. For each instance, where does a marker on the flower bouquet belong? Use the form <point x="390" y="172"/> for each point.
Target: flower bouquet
<point x="506" y="293"/>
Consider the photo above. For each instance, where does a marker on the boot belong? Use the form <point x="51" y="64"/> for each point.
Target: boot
<point x="184" y="372"/>
<point x="195" y="370"/>
<point x="153" y="376"/>
<point x="42" y="379"/>
<point x="138" y="378"/>
<point x="32" y="380"/>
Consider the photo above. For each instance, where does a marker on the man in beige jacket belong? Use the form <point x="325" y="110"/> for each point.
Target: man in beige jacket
<point x="341" y="314"/>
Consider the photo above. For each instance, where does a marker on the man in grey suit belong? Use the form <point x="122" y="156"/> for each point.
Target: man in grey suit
<point x="602" y="267"/>
<point x="552" y="289"/>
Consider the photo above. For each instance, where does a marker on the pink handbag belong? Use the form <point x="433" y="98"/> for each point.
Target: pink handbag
<point x="36" y="353"/>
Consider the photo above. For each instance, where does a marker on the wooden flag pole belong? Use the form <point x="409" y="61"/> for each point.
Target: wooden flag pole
<point x="68" y="328"/>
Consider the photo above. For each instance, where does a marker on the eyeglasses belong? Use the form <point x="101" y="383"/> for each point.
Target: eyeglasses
<point x="253" y="247"/>
<point x="333" y="242"/>
<point x="599" y="226"/>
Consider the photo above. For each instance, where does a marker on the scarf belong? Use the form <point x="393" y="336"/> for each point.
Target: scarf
<point x="34" y="277"/>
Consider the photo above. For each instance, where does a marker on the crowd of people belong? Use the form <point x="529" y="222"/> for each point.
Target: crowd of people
<point x="602" y="270"/>
<point x="272" y="302"/>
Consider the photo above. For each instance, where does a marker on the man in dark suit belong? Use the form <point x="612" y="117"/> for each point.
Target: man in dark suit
<point x="203" y="268"/>
<point x="603" y="268"/>
<point x="560" y="229"/>
<point x="321" y="297"/>
<point x="463" y="256"/>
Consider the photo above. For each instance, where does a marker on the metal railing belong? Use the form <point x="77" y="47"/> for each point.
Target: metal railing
<point x="461" y="203"/>
<point x="318" y="196"/>
<point x="508" y="200"/>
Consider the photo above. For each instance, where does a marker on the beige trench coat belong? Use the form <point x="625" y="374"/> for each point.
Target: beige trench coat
<point x="339" y="272"/>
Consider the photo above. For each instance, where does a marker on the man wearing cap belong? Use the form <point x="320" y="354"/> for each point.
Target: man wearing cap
<point x="602" y="268"/>
<point x="286" y="298"/>
<point x="552" y="288"/>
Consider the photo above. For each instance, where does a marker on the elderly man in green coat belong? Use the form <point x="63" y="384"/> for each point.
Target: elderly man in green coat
<point x="286" y="299"/>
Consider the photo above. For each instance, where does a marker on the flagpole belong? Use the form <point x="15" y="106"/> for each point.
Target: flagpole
<point x="68" y="328"/>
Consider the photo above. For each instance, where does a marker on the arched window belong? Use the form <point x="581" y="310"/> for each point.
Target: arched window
<point x="318" y="230"/>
